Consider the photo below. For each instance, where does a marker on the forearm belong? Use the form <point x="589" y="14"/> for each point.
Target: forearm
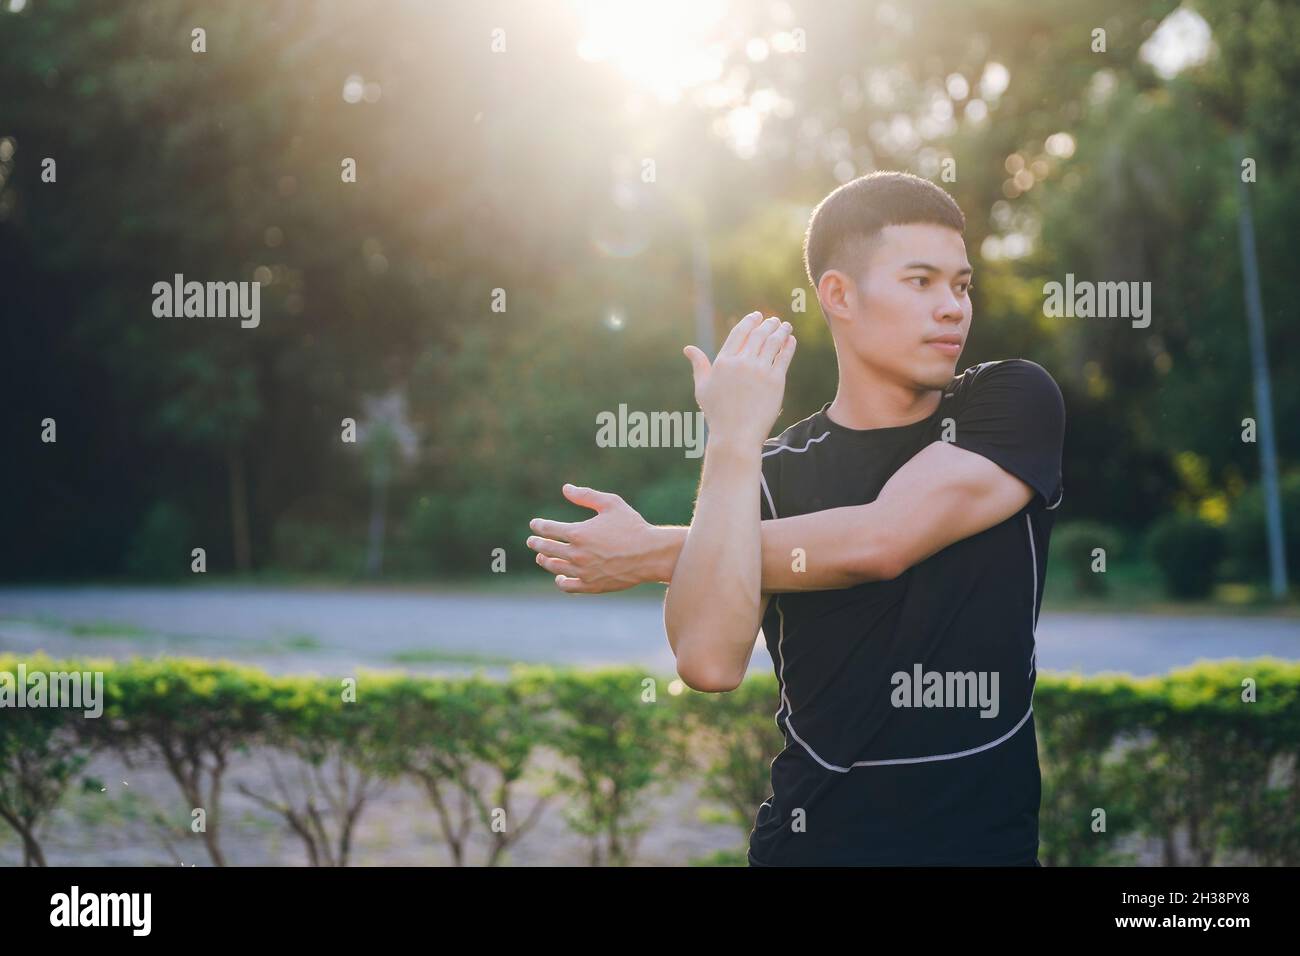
<point x="711" y="612"/>
<point x="824" y="550"/>
<point x="821" y="551"/>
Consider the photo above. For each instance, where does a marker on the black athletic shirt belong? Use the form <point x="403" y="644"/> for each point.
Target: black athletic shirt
<point x="862" y="780"/>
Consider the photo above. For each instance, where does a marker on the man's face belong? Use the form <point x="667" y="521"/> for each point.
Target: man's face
<point x="909" y="312"/>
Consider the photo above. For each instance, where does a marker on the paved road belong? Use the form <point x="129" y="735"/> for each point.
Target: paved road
<point x="331" y="632"/>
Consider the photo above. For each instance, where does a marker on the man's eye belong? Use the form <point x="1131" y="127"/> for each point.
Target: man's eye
<point x="924" y="280"/>
<point x="965" y="287"/>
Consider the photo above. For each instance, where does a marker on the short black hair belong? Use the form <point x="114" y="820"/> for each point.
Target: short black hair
<point x="844" y="223"/>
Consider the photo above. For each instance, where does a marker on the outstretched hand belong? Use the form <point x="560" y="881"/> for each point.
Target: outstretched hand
<point x="614" y="550"/>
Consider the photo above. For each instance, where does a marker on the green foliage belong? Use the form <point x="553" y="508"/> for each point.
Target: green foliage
<point x="41" y="750"/>
<point x="1202" y="760"/>
<point x="620" y="745"/>
<point x="385" y="284"/>
<point x="732" y="740"/>
<point x="327" y="762"/>
<point x="1183" y="758"/>
<point x="1072" y="547"/>
<point x="1080" y="722"/>
<point x="316" y="546"/>
<point x="466" y="738"/>
<point x="192" y="716"/>
<point x="1247" y="533"/>
<point x="1220" y="766"/>
<point x="162" y="545"/>
<point x="1187" y="550"/>
<point x="670" y="501"/>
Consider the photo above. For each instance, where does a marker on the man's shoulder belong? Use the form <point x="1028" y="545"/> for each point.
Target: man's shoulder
<point x="1013" y="373"/>
<point x="1011" y="412"/>
<point x="799" y="438"/>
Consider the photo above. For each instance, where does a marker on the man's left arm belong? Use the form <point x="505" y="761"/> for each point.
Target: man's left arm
<point x="1006" y="450"/>
<point x="941" y="496"/>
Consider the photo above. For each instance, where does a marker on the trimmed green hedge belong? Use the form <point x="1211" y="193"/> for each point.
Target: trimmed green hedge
<point x="1188" y="759"/>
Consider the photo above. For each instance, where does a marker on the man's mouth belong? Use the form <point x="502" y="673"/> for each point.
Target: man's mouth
<point x="947" y="344"/>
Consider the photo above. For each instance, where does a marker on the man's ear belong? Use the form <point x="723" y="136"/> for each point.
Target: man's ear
<point x="837" y="294"/>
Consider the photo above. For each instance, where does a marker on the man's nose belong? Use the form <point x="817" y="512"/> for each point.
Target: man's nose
<point x="949" y="308"/>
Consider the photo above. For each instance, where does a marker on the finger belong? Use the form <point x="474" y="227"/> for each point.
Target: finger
<point x="590" y="497"/>
<point x="739" y="332"/>
<point x="556" y="565"/>
<point x="573" y="585"/>
<point x="699" y="362"/>
<point x="558" y="530"/>
<point x="759" y="336"/>
<point x="775" y="342"/>
<point x="786" y="355"/>
<point x="554" y="549"/>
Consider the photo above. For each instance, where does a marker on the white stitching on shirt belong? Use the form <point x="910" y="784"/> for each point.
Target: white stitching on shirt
<point x="811" y="441"/>
<point x="767" y="494"/>
<point x="1033" y="605"/>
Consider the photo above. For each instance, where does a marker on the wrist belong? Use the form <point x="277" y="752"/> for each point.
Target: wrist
<point x="663" y="545"/>
<point x="734" y="444"/>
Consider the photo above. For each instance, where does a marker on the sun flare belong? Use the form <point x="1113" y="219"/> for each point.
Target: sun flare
<point x="665" y="47"/>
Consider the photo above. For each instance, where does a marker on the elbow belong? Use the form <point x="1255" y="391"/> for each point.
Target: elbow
<point x="707" y="684"/>
<point x="705" y="676"/>
<point x="889" y="569"/>
<point x="883" y="562"/>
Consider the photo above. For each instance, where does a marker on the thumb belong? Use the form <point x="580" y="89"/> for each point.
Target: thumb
<point x="590" y="497"/>
<point x="699" y="361"/>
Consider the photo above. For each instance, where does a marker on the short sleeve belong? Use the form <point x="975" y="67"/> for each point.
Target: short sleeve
<point x="1013" y="415"/>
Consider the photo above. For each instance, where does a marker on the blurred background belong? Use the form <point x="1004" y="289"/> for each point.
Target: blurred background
<point x="550" y="200"/>
<point x="618" y="169"/>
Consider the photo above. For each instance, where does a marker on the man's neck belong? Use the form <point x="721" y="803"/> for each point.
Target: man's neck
<point x="866" y="400"/>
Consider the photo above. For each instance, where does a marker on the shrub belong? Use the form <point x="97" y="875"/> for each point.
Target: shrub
<point x="316" y="546"/>
<point x="160" y="548"/>
<point x="1072" y="547"/>
<point x="1187" y="551"/>
<point x="1202" y="760"/>
<point x="1247" y="535"/>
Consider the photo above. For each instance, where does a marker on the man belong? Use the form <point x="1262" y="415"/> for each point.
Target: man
<point x="893" y="546"/>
